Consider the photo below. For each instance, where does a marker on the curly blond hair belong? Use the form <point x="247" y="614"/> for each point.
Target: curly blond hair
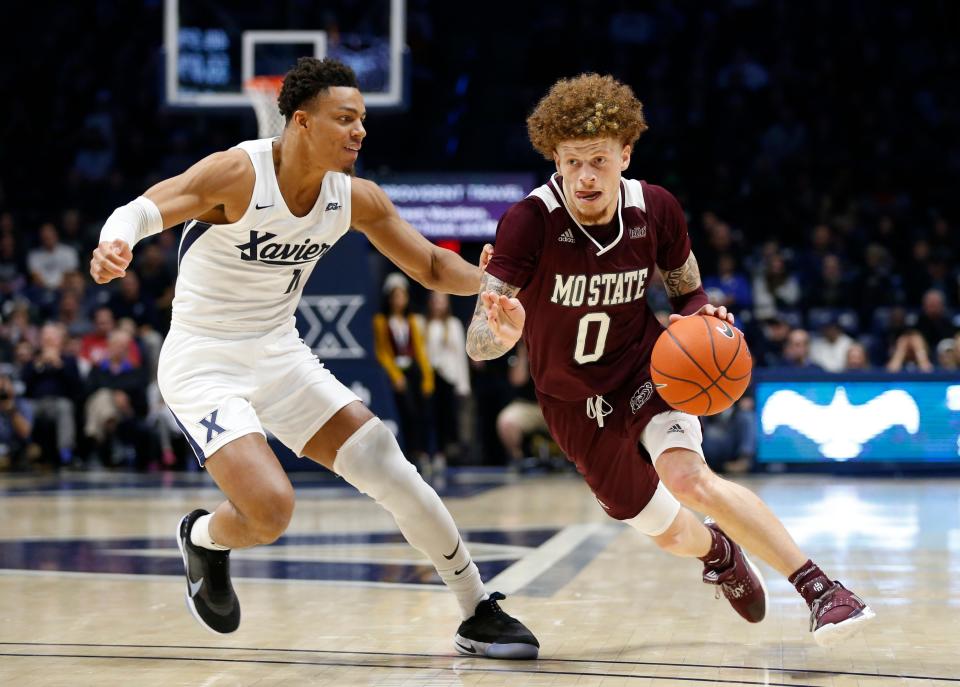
<point x="586" y="106"/>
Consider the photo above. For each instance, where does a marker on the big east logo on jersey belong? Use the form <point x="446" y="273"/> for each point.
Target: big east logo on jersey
<point x="261" y="248"/>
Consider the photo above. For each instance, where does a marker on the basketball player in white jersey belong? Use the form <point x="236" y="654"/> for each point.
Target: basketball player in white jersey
<point x="259" y="218"/>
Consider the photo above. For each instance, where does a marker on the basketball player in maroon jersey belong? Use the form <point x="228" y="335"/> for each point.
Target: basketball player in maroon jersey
<point x="572" y="264"/>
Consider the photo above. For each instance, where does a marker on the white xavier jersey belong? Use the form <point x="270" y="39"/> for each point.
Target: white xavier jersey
<point x="245" y="278"/>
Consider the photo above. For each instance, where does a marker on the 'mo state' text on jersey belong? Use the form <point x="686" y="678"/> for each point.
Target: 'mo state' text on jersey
<point x="609" y="288"/>
<point x="261" y="247"/>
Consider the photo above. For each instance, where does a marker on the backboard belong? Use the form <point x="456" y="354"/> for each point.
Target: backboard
<point x="213" y="47"/>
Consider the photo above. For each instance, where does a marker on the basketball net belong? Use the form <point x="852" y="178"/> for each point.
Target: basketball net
<point x="263" y="92"/>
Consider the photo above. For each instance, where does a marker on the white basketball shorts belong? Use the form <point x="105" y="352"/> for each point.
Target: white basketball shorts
<point x="221" y="389"/>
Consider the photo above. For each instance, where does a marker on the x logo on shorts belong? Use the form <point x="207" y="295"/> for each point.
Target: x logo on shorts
<point x="213" y="429"/>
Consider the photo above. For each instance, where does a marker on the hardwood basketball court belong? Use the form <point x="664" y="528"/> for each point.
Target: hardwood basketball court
<point x="92" y="589"/>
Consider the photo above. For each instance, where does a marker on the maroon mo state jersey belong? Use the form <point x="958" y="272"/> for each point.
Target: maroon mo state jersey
<point x="588" y="329"/>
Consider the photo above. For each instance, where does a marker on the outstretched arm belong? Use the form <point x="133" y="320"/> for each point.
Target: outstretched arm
<point x="436" y="268"/>
<point x="497" y="320"/>
<point x="686" y="292"/>
<point x="218" y="185"/>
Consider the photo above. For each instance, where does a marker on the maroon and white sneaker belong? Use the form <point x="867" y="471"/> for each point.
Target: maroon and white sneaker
<point x="740" y="581"/>
<point x="838" y="614"/>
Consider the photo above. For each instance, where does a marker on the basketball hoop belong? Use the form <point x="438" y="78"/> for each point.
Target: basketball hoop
<point x="263" y="92"/>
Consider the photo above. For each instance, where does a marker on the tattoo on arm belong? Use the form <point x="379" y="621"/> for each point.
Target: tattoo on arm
<point x="684" y="279"/>
<point x="481" y="343"/>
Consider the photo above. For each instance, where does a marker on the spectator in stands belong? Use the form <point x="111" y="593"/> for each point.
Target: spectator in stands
<point x="16" y="424"/>
<point x="11" y="270"/>
<point x="446" y="349"/>
<point x="19" y="326"/>
<point x="729" y="287"/>
<point x="910" y="354"/>
<point x="730" y="437"/>
<point x="71" y="230"/>
<point x="947" y="358"/>
<point x="93" y="346"/>
<point x="720" y="241"/>
<point x="8" y="224"/>
<point x="943" y="239"/>
<point x="399" y="346"/>
<point x="768" y="343"/>
<point x="938" y="276"/>
<point x="934" y="322"/>
<point x="90" y="299"/>
<point x="915" y="271"/>
<point x="829" y="348"/>
<point x="877" y="285"/>
<point x="128" y="301"/>
<point x="116" y="406"/>
<point x="774" y="287"/>
<point x="521" y="417"/>
<point x="831" y="289"/>
<point x="857" y="359"/>
<point x="821" y="245"/>
<point x="52" y="382"/>
<point x="71" y="315"/>
<point x="156" y="282"/>
<point x="896" y="240"/>
<point x="51" y="259"/>
<point x="796" y="351"/>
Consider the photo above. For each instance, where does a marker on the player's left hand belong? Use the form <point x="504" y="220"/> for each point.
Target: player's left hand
<point x="505" y="317"/>
<point x="485" y="256"/>
<point x="709" y="311"/>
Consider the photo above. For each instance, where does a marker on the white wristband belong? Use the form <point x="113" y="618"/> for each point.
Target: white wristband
<point x="134" y="221"/>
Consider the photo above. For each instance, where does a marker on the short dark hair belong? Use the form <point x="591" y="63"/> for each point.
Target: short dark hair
<point x="308" y="79"/>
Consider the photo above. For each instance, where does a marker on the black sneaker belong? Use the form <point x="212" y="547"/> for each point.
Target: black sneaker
<point x="494" y="634"/>
<point x="210" y="595"/>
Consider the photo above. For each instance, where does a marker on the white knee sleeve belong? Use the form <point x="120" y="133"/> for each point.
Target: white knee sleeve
<point x="658" y="514"/>
<point x="371" y="461"/>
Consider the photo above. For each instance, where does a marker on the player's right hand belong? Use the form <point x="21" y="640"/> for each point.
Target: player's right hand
<point x="110" y="261"/>
<point x="505" y="317"/>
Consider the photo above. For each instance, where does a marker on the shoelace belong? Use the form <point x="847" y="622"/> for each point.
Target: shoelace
<point x="736" y="590"/>
<point x="495" y="607"/>
<point x="494" y="598"/>
<point x="815" y="610"/>
<point x="598" y="408"/>
<point x="825" y="602"/>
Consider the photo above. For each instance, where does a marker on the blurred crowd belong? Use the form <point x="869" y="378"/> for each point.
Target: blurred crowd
<point x="812" y="145"/>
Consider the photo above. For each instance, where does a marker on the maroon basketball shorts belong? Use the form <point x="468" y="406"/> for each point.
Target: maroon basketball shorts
<point x="615" y="458"/>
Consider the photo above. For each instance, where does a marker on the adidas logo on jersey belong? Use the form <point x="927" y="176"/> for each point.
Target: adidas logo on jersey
<point x="260" y="248"/>
<point x="675" y="428"/>
<point x="638" y="232"/>
<point x="332" y="206"/>
<point x="567" y="237"/>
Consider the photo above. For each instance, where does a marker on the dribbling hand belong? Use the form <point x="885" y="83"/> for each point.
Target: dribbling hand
<point x="110" y="261"/>
<point x="709" y="311"/>
<point x="505" y="317"/>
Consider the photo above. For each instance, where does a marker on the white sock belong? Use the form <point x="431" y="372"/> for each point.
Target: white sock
<point x="200" y="534"/>
<point x="371" y="461"/>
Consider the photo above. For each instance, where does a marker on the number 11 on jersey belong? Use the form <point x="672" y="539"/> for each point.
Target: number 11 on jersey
<point x="295" y="282"/>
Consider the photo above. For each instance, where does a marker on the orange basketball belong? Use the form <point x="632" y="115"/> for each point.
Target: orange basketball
<point x="701" y="365"/>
